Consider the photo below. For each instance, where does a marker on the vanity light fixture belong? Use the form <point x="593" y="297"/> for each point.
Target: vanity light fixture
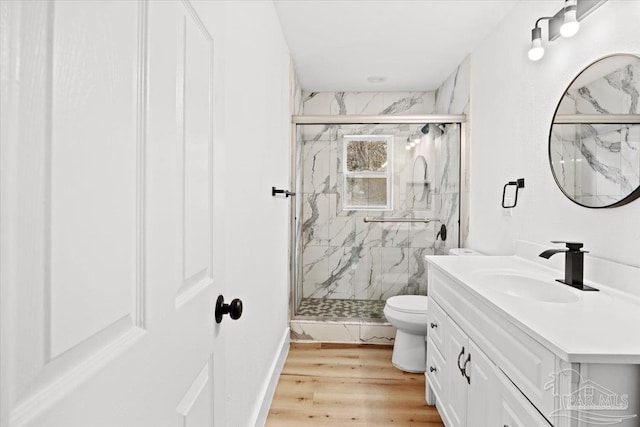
<point x="564" y="23"/>
<point x="536" y="51"/>
<point x="570" y="24"/>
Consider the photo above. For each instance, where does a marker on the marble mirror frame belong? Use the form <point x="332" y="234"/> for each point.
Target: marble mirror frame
<point x="625" y="199"/>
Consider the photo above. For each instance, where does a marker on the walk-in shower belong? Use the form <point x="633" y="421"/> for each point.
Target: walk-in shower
<point x="374" y="195"/>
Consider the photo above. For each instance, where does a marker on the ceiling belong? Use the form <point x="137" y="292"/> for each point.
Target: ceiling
<point x="338" y="44"/>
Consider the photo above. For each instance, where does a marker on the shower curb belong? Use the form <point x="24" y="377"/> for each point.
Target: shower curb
<point x="337" y="331"/>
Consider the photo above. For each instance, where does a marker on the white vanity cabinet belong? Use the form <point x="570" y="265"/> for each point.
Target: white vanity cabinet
<point x="467" y="386"/>
<point x="498" y="358"/>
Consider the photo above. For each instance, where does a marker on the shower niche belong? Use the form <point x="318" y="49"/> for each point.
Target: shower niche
<point x="371" y="199"/>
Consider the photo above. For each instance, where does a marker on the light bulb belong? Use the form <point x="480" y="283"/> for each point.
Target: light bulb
<point x="537" y="51"/>
<point x="417" y="141"/>
<point x="570" y="25"/>
<point x="412" y="144"/>
<point x="407" y="147"/>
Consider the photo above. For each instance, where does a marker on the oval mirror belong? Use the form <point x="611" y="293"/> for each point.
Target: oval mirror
<point x="594" y="142"/>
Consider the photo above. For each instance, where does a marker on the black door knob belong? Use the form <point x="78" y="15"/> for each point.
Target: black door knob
<point x="234" y="310"/>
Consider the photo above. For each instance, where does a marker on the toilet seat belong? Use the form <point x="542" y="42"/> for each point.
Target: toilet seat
<point x="412" y="304"/>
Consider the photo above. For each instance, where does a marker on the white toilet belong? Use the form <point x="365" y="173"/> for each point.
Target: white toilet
<point x="408" y="313"/>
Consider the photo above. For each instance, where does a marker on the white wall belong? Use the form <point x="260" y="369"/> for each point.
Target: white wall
<point x="252" y="134"/>
<point x="512" y="105"/>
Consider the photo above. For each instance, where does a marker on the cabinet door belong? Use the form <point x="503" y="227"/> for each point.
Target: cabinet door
<point x="483" y="386"/>
<point x="513" y="409"/>
<point x="455" y="390"/>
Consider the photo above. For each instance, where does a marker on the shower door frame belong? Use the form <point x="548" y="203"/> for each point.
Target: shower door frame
<point x="296" y="120"/>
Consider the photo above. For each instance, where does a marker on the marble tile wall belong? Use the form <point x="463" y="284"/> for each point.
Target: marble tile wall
<point x="345" y="258"/>
<point x="373" y="103"/>
<point x="297" y="108"/>
<point x="453" y="97"/>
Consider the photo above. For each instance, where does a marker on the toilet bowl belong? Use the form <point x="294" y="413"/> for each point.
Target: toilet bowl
<point x="408" y="313"/>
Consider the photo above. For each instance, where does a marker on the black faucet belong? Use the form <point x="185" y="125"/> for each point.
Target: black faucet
<point x="573" y="264"/>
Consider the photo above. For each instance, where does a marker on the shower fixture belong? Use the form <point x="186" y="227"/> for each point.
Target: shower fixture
<point x="439" y="126"/>
<point x="416" y="137"/>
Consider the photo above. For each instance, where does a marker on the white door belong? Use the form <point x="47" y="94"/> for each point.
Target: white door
<point x="107" y="293"/>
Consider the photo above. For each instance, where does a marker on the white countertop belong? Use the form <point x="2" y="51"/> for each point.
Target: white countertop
<point x="600" y="327"/>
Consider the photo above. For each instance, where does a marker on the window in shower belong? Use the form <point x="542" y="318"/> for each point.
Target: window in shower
<point x="367" y="172"/>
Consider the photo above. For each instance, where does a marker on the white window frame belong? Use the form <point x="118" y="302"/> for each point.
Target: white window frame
<point x="388" y="139"/>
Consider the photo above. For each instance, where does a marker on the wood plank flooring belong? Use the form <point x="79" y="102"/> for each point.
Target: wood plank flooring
<point x="348" y="385"/>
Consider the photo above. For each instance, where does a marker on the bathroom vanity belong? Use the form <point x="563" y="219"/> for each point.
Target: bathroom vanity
<point x="510" y="346"/>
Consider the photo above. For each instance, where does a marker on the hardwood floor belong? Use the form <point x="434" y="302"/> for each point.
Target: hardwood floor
<point x="348" y="385"/>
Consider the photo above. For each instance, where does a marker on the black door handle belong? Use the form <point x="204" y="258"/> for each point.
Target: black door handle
<point x="286" y="193"/>
<point x="234" y="310"/>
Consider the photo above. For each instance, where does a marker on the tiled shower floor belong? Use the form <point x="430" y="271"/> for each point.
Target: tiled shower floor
<point x="341" y="308"/>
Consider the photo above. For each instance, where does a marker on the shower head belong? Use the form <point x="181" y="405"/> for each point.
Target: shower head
<point x="439" y="126"/>
<point x="416" y="136"/>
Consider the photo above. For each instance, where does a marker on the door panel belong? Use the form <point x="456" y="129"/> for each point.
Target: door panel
<point x="195" y="110"/>
<point x="106" y="288"/>
<point x="195" y="406"/>
<point x="69" y="156"/>
<point x="92" y="166"/>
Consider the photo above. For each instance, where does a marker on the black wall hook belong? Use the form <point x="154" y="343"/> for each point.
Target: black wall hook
<point x="519" y="183"/>
<point x="286" y="193"/>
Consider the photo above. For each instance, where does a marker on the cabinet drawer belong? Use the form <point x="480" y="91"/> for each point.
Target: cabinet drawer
<point x="435" y="369"/>
<point x="525" y="361"/>
<point x="437" y="321"/>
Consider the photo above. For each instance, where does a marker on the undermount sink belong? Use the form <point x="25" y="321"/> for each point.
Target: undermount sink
<point x="526" y="287"/>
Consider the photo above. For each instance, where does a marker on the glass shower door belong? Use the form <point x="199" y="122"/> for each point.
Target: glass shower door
<point x="372" y="200"/>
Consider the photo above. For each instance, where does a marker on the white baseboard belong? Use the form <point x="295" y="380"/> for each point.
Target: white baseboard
<point x="269" y="387"/>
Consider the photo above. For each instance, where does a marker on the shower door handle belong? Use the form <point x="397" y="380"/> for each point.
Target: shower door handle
<point x="286" y="193"/>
